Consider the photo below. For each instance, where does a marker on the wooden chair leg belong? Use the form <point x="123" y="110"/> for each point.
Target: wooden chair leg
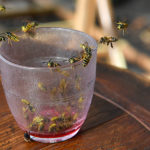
<point x="106" y="16"/>
<point x="85" y="15"/>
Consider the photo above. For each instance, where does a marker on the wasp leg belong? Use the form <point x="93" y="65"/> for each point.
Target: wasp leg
<point x="111" y="45"/>
<point x="9" y="42"/>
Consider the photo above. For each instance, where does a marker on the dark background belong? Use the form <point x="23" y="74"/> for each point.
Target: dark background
<point x="135" y="12"/>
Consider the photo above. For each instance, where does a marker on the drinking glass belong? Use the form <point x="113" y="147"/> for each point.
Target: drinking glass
<point x="49" y="103"/>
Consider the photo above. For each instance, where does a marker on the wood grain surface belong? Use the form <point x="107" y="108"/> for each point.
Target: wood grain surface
<point x="126" y="90"/>
<point x="106" y="127"/>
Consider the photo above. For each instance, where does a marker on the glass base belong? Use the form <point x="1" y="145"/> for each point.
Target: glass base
<point x="54" y="140"/>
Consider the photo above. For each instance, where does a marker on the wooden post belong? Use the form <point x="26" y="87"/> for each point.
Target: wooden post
<point x="85" y="15"/>
<point x="106" y="16"/>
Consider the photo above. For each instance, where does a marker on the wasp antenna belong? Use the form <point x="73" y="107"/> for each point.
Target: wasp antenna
<point x="9" y="42"/>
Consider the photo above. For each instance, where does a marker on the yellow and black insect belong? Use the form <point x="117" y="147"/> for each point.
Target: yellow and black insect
<point x="53" y="128"/>
<point x="74" y="59"/>
<point x="29" y="27"/>
<point x="62" y="122"/>
<point x="84" y="45"/>
<point x="41" y="86"/>
<point x="86" y="60"/>
<point x="54" y="118"/>
<point x="38" y="122"/>
<point x="59" y="119"/>
<point x="2" y="8"/>
<point x="24" y="101"/>
<point x="10" y="36"/>
<point x="29" y="106"/>
<point x="108" y="40"/>
<point x="87" y="49"/>
<point x="87" y="54"/>
<point x="52" y="64"/>
<point x="75" y="116"/>
<point x="27" y="137"/>
<point x="122" y="26"/>
<point x="40" y="126"/>
<point x="80" y="100"/>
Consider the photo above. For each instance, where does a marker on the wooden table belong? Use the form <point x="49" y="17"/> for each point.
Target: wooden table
<point x="107" y="127"/>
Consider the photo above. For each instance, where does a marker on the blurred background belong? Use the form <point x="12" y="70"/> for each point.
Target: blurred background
<point x="95" y="17"/>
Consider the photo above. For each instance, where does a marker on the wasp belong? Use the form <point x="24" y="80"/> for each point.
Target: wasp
<point x="87" y="49"/>
<point x="108" y="40"/>
<point x="59" y="119"/>
<point x="86" y="59"/>
<point x="75" y="116"/>
<point x="80" y="100"/>
<point x="38" y="119"/>
<point x="68" y="122"/>
<point x="87" y="54"/>
<point x="38" y="122"/>
<point x="74" y="59"/>
<point x="40" y="126"/>
<point x="54" y="118"/>
<point x="27" y="137"/>
<point x="29" y="106"/>
<point x="29" y="28"/>
<point x="10" y="36"/>
<point x="122" y="26"/>
<point x="53" y="128"/>
<point x="2" y="8"/>
<point x="52" y="64"/>
<point x="25" y="101"/>
<point x="62" y="121"/>
<point x="41" y="86"/>
<point x="84" y="45"/>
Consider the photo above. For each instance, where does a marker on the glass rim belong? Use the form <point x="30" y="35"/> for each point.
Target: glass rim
<point x="51" y="68"/>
